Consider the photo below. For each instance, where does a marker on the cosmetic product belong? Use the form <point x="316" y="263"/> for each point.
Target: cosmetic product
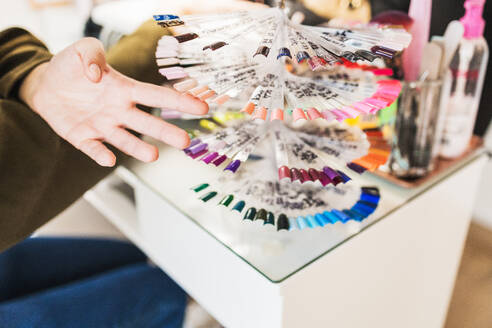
<point x="466" y="73"/>
<point x="247" y="52"/>
<point x="420" y="12"/>
<point x="294" y="207"/>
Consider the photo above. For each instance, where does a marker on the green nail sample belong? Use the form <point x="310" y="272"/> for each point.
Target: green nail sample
<point x="270" y="218"/>
<point x="239" y="206"/>
<point x="200" y="187"/>
<point x="250" y="214"/>
<point x="261" y="215"/>
<point x="208" y="196"/>
<point x="227" y="200"/>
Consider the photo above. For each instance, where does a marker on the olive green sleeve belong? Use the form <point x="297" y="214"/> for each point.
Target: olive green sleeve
<point x="20" y="53"/>
<point x="40" y="173"/>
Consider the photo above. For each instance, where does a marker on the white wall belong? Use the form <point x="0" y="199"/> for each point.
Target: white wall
<point x="483" y="207"/>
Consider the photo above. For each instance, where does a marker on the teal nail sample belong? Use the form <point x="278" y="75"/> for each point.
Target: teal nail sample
<point x="227" y="200"/>
<point x="208" y="196"/>
<point x="270" y="218"/>
<point x="239" y="206"/>
<point x="250" y="214"/>
<point x="200" y="187"/>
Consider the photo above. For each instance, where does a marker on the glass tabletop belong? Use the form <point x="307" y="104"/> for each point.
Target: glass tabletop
<point x="275" y="254"/>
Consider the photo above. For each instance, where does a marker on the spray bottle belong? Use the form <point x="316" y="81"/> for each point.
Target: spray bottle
<point x="467" y="72"/>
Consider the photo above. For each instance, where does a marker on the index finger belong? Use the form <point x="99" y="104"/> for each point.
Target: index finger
<point x="156" y="96"/>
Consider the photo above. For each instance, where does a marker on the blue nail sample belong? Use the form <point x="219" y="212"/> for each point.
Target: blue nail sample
<point x="332" y="218"/>
<point x="369" y="198"/>
<point x="165" y="17"/>
<point x="302" y="223"/>
<point x="284" y="52"/>
<point x="353" y="215"/>
<point x="344" y="177"/>
<point x="293" y="224"/>
<point x="312" y="222"/>
<point x="342" y="216"/>
<point x="321" y="219"/>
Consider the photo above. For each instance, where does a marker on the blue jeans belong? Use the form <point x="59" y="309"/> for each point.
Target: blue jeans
<point x="87" y="283"/>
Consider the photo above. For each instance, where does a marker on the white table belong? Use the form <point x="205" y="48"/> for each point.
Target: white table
<point x="396" y="269"/>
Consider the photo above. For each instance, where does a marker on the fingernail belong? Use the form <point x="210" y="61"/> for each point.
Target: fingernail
<point x="323" y="178"/>
<point x="95" y="71"/>
<point x="250" y="214"/>
<point x="233" y="166"/>
<point x="208" y="196"/>
<point x="219" y="160"/>
<point x="295" y="174"/>
<point x="200" y="187"/>
<point x="305" y="176"/>
<point x="261" y="215"/>
<point x="282" y="222"/>
<point x="226" y="201"/>
<point x="239" y="206"/>
<point x="210" y="157"/>
<point x="283" y="172"/>
<point x="314" y="174"/>
<point x="270" y="219"/>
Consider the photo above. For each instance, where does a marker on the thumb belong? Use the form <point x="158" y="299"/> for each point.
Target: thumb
<point x="91" y="52"/>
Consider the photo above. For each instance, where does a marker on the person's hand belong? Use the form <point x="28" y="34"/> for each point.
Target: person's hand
<point x="87" y="103"/>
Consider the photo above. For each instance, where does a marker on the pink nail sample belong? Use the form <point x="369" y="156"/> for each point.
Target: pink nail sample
<point x="313" y="113"/>
<point x="221" y="99"/>
<point x="298" y="114"/>
<point x="260" y="113"/>
<point x="207" y="94"/>
<point x="198" y="90"/>
<point x="277" y="114"/>
<point x="185" y="85"/>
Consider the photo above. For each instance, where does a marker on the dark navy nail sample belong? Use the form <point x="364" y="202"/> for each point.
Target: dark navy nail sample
<point x="282" y="222"/>
<point x="284" y="52"/>
<point x="356" y="167"/>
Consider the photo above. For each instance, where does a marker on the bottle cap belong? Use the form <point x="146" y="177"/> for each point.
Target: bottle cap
<point x="473" y="22"/>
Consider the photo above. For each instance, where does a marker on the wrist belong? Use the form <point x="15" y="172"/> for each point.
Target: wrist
<point x="30" y="86"/>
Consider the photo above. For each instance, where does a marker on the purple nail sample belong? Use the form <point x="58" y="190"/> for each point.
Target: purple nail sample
<point x="200" y="153"/>
<point x="220" y="160"/>
<point x="198" y="148"/>
<point x="210" y="157"/>
<point x="233" y="166"/>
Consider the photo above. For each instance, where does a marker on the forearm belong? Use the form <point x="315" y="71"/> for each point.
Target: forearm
<point x="40" y="173"/>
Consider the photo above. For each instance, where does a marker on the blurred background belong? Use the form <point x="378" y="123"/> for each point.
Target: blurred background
<point x="61" y="22"/>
